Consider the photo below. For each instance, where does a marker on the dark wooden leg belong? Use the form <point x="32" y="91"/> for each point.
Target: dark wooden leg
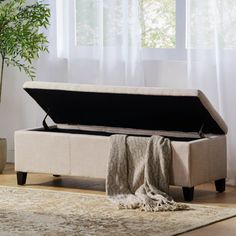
<point x="220" y="185"/>
<point x="188" y="193"/>
<point x="21" y="177"/>
<point x="56" y="176"/>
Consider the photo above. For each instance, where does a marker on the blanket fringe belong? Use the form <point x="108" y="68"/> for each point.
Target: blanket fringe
<point x="131" y="201"/>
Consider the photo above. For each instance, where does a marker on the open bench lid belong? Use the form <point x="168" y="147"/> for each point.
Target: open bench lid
<point x="139" y="110"/>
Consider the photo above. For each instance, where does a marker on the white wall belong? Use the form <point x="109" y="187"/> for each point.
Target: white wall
<point x="19" y="111"/>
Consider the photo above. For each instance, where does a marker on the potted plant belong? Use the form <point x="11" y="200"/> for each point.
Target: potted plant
<point x="21" y="41"/>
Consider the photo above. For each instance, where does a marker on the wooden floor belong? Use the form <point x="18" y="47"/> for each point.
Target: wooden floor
<point x="204" y="194"/>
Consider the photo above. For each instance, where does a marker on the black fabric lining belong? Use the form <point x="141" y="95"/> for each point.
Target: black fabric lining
<point x="107" y="134"/>
<point x="148" y="112"/>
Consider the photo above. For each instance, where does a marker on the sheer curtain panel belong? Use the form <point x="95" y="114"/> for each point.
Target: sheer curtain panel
<point x="211" y="44"/>
<point x="100" y="40"/>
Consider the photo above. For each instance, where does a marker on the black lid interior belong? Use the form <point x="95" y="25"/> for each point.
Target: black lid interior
<point x="148" y="112"/>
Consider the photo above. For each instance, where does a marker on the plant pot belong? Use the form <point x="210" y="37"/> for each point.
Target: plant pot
<point x="3" y="153"/>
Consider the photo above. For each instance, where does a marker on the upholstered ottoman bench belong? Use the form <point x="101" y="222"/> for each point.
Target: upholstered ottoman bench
<point x="86" y="115"/>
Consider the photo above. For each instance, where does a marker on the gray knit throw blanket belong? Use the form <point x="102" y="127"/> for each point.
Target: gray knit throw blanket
<point x="138" y="173"/>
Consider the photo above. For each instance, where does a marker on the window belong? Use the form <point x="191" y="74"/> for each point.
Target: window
<point x="162" y="25"/>
<point x="87" y="27"/>
<point x="158" y="22"/>
<point x="165" y="22"/>
<point x="212" y="17"/>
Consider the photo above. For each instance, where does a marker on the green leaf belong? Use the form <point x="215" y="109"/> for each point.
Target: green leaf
<point x="21" y="40"/>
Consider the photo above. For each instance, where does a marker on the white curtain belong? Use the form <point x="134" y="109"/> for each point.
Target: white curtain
<point x="94" y="41"/>
<point x="211" y="43"/>
<point x="105" y="49"/>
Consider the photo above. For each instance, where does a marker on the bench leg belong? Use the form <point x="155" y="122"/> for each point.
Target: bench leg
<point x="21" y="177"/>
<point x="188" y="193"/>
<point x="220" y="185"/>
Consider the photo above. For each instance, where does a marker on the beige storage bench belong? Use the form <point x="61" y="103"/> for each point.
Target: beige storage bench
<point x="86" y="115"/>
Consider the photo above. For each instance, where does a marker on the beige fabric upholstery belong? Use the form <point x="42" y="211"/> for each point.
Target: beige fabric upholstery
<point x="193" y="163"/>
<point x="130" y="131"/>
<point x="89" y="155"/>
<point x="199" y="161"/>
<point x="42" y="152"/>
<point x="131" y="90"/>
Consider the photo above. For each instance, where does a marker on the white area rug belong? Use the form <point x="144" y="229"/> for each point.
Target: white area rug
<point x="25" y="211"/>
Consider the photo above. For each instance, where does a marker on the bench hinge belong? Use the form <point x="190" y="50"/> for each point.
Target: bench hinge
<point x="45" y="123"/>
<point x="200" y="132"/>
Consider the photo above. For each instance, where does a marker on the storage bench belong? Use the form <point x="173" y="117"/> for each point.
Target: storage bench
<point x="86" y="115"/>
